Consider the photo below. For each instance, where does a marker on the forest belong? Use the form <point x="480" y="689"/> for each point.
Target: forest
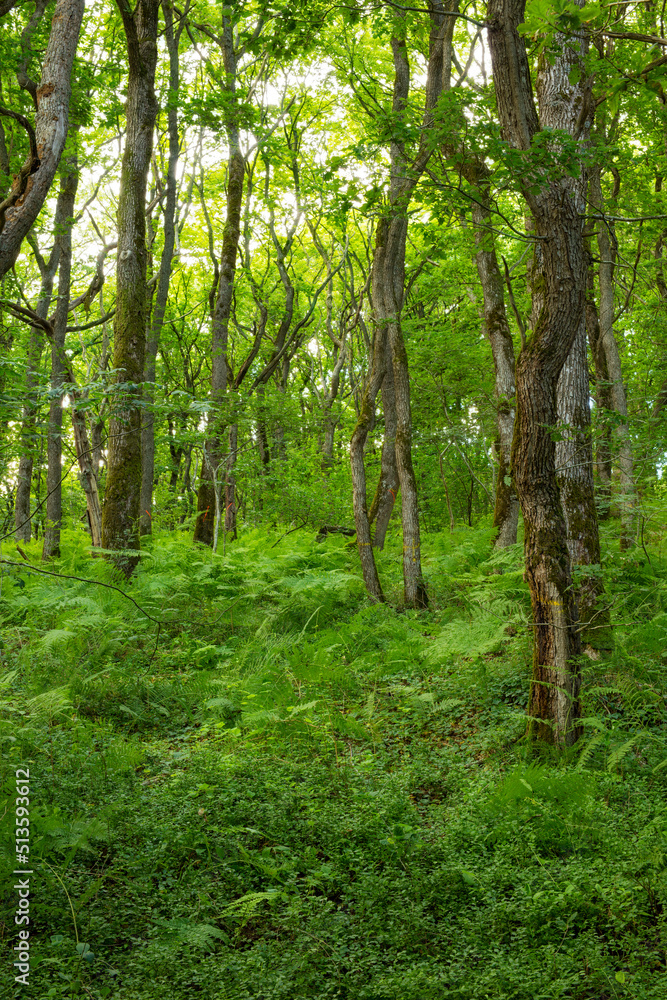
<point x="333" y="493"/>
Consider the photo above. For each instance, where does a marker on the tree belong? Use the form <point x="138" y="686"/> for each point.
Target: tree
<point x="120" y="517"/>
<point x="556" y="204"/>
<point x="21" y="207"/>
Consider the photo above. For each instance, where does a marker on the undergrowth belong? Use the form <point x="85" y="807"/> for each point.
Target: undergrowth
<point x="265" y="787"/>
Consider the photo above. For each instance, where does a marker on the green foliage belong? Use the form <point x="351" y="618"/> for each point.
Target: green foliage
<point x="289" y="792"/>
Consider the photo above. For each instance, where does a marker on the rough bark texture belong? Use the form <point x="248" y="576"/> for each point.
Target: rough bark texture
<point x="223" y="304"/>
<point x="162" y="293"/>
<point x="53" y="97"/>
<point x="574" y="473"/>
<point x="558" y="225"/>
<point x="69" y="184"/>
<point x="120" y="518"/>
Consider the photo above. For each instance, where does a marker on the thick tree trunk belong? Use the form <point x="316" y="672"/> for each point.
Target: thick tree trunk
<point x="557" y="210"/>
<point x="162" y="293"/>
<point x="51" y="545"/>
<point x="19" y="211"/>
<point x="574" y="473"/>
<point x="120" y="518"/>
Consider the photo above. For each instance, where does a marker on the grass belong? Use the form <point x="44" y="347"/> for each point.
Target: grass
<point x="288" y="794"/>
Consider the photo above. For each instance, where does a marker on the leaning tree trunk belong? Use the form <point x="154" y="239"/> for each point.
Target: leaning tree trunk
<point x="54" y="475"/>
<point x="162" y="293"/>
<point x="20" y="209"/>
<point x="557" y="211"/>
<point x="120" y="517"/>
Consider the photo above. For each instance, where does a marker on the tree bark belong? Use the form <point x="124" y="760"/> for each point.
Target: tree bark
<point x="557" y="211"/>
<point x="53" y="97"/>
<point x="120" y="518"/>
<point x="51" y="544"/>
<point x="574" y="474"/>
<point x="162" y="293"/>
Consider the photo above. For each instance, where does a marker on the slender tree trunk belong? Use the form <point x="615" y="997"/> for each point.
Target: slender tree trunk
<point x="603" y="402"/>
<point x="122" y="502"/>
<point x="557" y="211"/>
<point x="606" y="239"/>
<point x="162" y="294"/>
<point x="30" y="408"/>
<point x="51" y="546"/>
<point x="223" y="304"/>
<point x="387" y="282"/>
<point x="388" y="485"/>
<point x="230" y="481"/>
<point x="357" y="443"/>
<point x="506" y="512"/>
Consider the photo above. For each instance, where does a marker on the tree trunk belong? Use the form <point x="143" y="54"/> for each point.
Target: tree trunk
<point x="557" y="211"/>
<point x="20" y="210"/>
<point x="162" y="294"/>
<point x="22" y="523"/>
<point x="69" y="184"/>
<point x="603" y="402"/>
<point x="230" y="481"/>
<point x="506" y="512"/>
<point x="387" y="283"/>
<point x="223" y="304"/>
<point x="574" y="473"/>
<point x="357" y="443"/>
<point x="23" y="527"/>
<point x="120" y="518"/>
<point x="606" y="239"/>
<point x="388" y="484"/>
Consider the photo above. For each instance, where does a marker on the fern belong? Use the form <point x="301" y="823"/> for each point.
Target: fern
<point x="244" y="908"/>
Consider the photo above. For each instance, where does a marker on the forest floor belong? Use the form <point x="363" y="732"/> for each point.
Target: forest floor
<point x="285" y="793"/>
